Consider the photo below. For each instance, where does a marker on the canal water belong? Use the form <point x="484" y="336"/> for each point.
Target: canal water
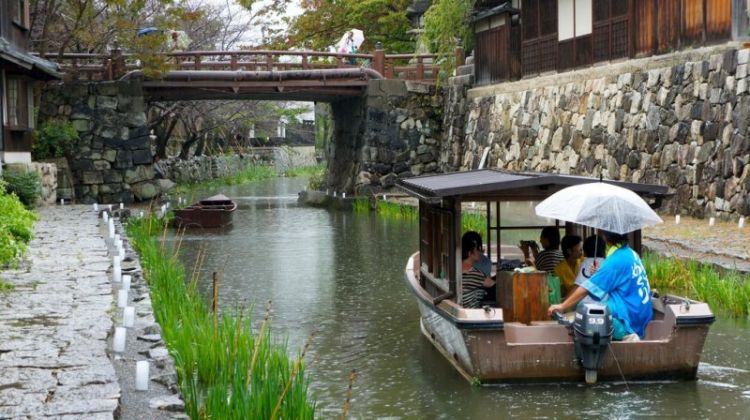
<point x="338" y="277"/>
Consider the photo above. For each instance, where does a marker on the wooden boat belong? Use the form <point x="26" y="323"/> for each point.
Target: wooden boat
<point x="212" y="212"/>
<point x="513" y="340"/>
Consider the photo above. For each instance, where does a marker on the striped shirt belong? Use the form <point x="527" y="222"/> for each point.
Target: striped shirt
<point x="472" y="290"/>
<point x="548" y="259"/>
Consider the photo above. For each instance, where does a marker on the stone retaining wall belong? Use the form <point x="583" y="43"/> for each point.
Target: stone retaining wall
<point x="684" y="125"/>
<point x="112" y="162"/>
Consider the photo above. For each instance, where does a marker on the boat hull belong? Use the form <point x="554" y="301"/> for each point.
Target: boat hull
<point x="205" y="216"/>
<point x="483" y="348"/>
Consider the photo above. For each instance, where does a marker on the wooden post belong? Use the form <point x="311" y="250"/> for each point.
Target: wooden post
<point x="197" y="62"/>
<point x="304" y="61"/>
<point x="420" y="69"/>
<point x="269" y="62"/>
<point x="460" y="55"/>
<point x="233" y="61"/>
<point x="108" y="69"/>
<point x="378" y="59"/>
<point x="118" y="63"/>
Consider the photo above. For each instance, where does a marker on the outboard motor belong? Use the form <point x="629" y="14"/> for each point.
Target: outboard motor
<point x="592" y="333"/>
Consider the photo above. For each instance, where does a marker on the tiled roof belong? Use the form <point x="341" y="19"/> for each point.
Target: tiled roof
<point x="41" y="68"/>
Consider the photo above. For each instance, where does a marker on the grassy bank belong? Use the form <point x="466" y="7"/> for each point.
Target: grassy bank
<point x="225" y="370"/>
<point x="725" y="292"/>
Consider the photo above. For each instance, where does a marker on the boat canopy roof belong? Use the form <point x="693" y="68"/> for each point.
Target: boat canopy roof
<point x="501" y="185"/>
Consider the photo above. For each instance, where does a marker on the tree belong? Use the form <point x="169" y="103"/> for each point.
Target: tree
<point x="446" y="22"/>
<point x="326" y="21"/>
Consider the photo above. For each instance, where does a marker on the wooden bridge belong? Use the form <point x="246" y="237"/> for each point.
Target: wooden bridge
<point x="256" y="74"/>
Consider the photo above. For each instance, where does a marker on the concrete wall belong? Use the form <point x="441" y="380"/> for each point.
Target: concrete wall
<point x="684" y="125"/>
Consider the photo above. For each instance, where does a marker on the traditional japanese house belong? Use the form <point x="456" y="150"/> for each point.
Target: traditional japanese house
<point x="523" y="38"/>
<point x="19" y="72"/>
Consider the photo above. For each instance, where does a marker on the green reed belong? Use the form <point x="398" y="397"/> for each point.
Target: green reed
<point x="250" y="174"/>
<point x="361" y="205"/>
<point x="389" y="209"/>
<point x="473" y="221"/>
<point x="224" y="369"/>
<point x="726" y="291"/>
<point x="306" y="171"/>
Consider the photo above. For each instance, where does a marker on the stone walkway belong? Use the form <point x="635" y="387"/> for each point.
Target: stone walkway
<point x="56" y="326"/>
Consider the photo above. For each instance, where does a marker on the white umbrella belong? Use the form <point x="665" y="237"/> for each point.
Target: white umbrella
<point x="599" y="205"/>
<point x="358" y="37"/>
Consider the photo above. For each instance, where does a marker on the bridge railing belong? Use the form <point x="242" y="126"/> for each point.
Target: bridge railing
<point x="416" y="67"/>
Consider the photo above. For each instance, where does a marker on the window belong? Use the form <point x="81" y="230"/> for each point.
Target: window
<point x="573" y="19"/>
<point x="21" y="13"/>
<point x="18" y="103"/>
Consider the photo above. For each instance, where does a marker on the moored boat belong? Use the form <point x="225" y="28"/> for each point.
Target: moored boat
<point x="510" y="338"/>
<point x="212" y="212"/>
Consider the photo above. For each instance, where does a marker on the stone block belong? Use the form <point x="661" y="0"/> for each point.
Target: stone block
<point x="142" y="157"/>
<point x="112" y="176"/>
<point x="106" y="88"/>
<point x="81" y="125"/>
<point x="743" y="55"/>
<point x="145" y="190"/>
<point x="139" y="173"/>
<point x="124" y="159"/>
<point x="91" y="177"/>
<point x="106" y="102"/>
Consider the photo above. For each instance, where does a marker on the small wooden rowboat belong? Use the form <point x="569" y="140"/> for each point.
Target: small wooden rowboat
<point x="511" y="338"/>
<point x="212" y="212"/>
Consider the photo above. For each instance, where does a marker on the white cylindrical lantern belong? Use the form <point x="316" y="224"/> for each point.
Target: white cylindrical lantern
<point x="111" y="232"/>
<point x="141" y="213"/>
<point x="126" y="279"/>
<point x="105" y="216"/>
<point x="122" y="298"/>
<point x="96" y="207"/>
<point x="116" y="274"/>
<point x="122" y="206"/>
<point x="121" y="251"/>
<point x="741" y="223"/>
<point x="118" y="342"/>
<point x="128" y="317"/>
<point x="117" y="238"/>
<point x="677" y="219"/>
<point x="141" y="375"/>
<point x="334" y="193"/>
<point x="109" y="206"/>
<point x="712" y="221"/>
<point x="343" y="195"/>
<point x="62" y="201"/>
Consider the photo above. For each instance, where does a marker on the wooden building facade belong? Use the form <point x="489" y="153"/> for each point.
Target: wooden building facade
<point x="523" y="38"/>
<point x="19" y="72"/>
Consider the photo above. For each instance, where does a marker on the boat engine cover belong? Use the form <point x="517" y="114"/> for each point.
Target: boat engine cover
<point x="592" y="333"/>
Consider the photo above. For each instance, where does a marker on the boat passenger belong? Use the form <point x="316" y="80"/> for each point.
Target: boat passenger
<point x="568" y="269"/>
<point x="622" y="284"/>
<point x="593" y="252"/>
<point x="473" y="281"/>
<point x="547" y="259"/>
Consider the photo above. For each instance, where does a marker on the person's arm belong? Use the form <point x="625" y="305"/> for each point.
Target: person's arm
<point x="572" y="299"/>
<point x="488" y="282"/>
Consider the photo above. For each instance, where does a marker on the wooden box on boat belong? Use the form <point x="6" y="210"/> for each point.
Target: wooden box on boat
<point x="524" y="297"/>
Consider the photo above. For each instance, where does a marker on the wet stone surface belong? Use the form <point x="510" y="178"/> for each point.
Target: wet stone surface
<point x="56" y="329"/>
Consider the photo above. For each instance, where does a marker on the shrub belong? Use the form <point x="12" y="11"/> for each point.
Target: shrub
<point x="27" y="186"/>
<point x="15" y="227"/>
<point x="54" y="139"/>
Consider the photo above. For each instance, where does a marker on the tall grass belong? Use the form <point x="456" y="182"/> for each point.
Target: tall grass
<point x="727" y="291"/>
<point x="473" y="221"/>
<point x="224" y="370"/>
<point x="361" y="206"/>
<point x="252" y="173"/>
<point x="393" y="210"/>
<point x="306" y="171"/>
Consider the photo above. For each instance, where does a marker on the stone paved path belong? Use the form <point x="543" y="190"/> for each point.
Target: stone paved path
<point x="54" y="325"/>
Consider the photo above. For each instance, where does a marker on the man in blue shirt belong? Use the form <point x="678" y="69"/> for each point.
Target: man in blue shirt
<point x="622" y="284"/>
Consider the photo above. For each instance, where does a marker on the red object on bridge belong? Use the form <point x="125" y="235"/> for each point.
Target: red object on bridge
<point x="211" y="212"/>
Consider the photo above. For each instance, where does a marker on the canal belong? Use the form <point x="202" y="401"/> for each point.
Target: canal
<point x="339" y="276"/>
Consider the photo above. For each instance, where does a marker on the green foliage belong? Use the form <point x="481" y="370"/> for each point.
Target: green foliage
<point x="447" y="21"/>
<point x="305" y="171"/>
<point x="361" y="206"/>
<point x="474" y="221"/>
<point x="54" y="139"/>
<point x="251" y="174"/>
<point x="16" y="227"/>
<point x="726" y="291"/>
<point x="325" y="22"/>
<point x="390" y="209"/>
<point x="26" y="185"/>
<point x="6" y="287"/>
<point x="224" y="369"/>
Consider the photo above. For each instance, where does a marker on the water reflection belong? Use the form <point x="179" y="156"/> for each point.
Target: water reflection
<point x="340" y="275"/>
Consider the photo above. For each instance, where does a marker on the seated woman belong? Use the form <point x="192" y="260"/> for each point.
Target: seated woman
<point x="547" y="259"/>
<point x="568" y="269"/>
<point x="473" y="281"/>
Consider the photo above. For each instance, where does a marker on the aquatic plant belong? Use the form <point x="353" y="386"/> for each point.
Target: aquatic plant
<point x="224" y="369"/>
<point x="726" y="291"/>
<point x="391" y="209"/>
<point x="473" y="221"/>
<point x="250" y="174"/>
<point x="361" y="205"/>
<point x="6" y="287"/>
<point x="306" y="171"/>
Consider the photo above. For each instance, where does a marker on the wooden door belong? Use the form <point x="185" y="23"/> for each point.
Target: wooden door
<point x="644" y="16"/>
<point x="718" y="20"/>
<point x="668" y="25"/>
<point x="692" y="22"/>
<point x="492" y="63"/>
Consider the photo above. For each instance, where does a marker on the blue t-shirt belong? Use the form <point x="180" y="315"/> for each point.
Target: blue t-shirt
<point x="621" y="282"/>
